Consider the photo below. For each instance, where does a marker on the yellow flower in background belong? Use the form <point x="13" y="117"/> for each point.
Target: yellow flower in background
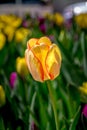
<point x="83" y="88"/>
<point x="11" y="20"/>
<point x="21" y="33"/>
<point x="9" y="31"/>
<point x="17" y="22"/>
<point x="7" y="18"/>
<point x="3" y="17"/>
<point x="58" y="19"/>
<point x="43" y="59"/>
<point x="2" y="40"/>
<point x="83" y="92"/>
<point x="81" y="20"/>
<point x="21" y="66"/>
<point x="49" y="16"/>
<point x="2" y="96"/>
<point x="2" y="25"/>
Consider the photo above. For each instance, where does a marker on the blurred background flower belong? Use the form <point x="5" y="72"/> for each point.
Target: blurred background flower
<point x="84" y="111"/>
<point x="21" y="34"/>
<point x="81" y="20"/>
<point x="13" y="79"/>
<point x="21" y="66"/>
<point x="2" y="40"/>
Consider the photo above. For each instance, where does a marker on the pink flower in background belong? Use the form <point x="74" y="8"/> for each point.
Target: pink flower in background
<point x="25" y="23"/>
<point x="13" y="78"/>
<point x="84" y="111"/>
<point x="42" y="24"/>
<point x="33" y="126"/>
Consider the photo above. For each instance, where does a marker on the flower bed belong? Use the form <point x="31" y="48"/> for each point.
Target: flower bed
<point x="48" y="90"/>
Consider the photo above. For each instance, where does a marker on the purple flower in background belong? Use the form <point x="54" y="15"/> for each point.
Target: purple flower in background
<point x="68" y="24"/>
<point x="13" y="78"/>
<point x="42" y="24"/>
<point x="84" y="111"/>
<point x="33" y="126"/>
<point x="41" y="20"/>
<point x="25" y="23"/>
<point x="42" y="28"/>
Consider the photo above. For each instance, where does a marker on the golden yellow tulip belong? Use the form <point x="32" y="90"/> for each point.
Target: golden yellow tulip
<point x="43" y="59"/>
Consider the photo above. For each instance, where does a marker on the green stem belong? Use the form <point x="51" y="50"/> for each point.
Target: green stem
<point x="53" y="101"/>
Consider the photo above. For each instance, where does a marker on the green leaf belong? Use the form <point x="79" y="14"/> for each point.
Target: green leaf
<point x="1" y="124"/>
<point x="43" y="112"/>
<point x="70" y="70"/>
<point x="63" y="128"/>
<point x="31" y="110"/>
<point x="75" y="120"/>
<point x="72" y="73"/>
<point x="3" y="56"/>
<point x="84" y="52"/>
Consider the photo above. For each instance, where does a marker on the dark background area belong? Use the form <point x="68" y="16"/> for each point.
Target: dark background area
<point x="58" y="5"/>
<point x="22" y="1"/>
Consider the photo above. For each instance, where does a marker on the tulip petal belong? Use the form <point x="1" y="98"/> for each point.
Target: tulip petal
<point x="34" y="66"/>
<point x="45" y="40"/>
<point x="40" y="52"/>
<point x="53" y="61"/>
<point x="32" y="42"/>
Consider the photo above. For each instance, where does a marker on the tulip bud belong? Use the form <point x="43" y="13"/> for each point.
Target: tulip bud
<point x="21" y="66"/>
<point x="42" y="28"/>
<point x="58" y="19"/>
<point x="83" y="88"/>
<point x="13" y="78"/>
<point x="83" y="92"/>
<point x="2" y="96"/>
<point x="9" y="32"/>
<point x="84" y="111"/>
<point x="43" y="59"/>
<point x="33" y="126"/>
<point x="81" y="20"/>
<point x="21" y="33"/>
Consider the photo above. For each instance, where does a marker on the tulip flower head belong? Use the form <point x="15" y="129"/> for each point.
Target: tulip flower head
<point x="84" y="111"/>
<point x="83" y="88"/>
<point x="81" y="20"/>
<point x="21" y="33"/>
<point x="13" y="78"/>
<point x="83" y="92"/>
<point x="43" y="28"/>
<point x="58" y="19"/>
<point x="21" y="66"/>
<point x="43" y="59"/>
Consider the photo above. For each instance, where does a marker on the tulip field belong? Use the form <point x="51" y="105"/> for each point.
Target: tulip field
<point x="43" y="72"/>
